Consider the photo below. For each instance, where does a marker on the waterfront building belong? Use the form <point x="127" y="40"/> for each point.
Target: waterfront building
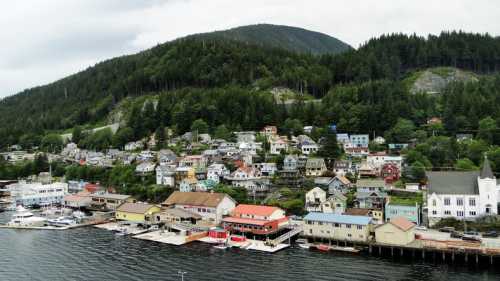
<point x="398" y="231"/>
<point x="462" y="195"/>
<point x="256" y="219"/>
<point x="109" y="201"/>
<point x="37" y="193"/>
<point x="210" y="206"/>
<point x="337" y="227"/>
<point x="136" y="212"/>
<point x="410" y="211"/>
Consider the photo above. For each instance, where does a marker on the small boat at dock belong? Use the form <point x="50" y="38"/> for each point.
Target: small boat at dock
<point x="327" y="248"/>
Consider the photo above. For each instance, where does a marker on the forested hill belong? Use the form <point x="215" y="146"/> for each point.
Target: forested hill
<point x="89" y="96"/>
<point x="286" y="37"/>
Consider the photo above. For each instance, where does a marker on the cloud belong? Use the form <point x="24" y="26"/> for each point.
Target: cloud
<point x="45" y="40"/>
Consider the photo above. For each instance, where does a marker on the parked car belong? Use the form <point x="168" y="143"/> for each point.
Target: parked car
<point x="447" y="229"/>
<point x="471" y="232"/>
<point x="491" y="234"/>
<point x="456" y="234"/>
<point x="421" y="228"/>
<point x="471" y="238"/>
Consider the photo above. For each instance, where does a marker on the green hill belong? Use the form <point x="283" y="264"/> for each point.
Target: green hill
<point x="286" y="37"/>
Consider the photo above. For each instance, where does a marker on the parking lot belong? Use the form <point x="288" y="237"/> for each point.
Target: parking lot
<point x="432" y="234"/>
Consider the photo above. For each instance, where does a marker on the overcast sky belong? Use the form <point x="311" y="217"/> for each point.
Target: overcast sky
<point x="45" y="40"/>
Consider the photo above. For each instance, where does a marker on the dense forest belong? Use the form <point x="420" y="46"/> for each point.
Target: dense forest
<point x="226" y="83"/>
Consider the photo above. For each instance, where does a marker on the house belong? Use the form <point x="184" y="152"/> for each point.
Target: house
<point x="266" y="169"/>
<point x="255" y="220"/>
<point x="109" y="201"/>
<point x="315" y="167"/>
<point x="278" y="145"/>
<point x="343" y="139"/>
<point x="463" y="137"/>
<point x="205" y="185"/>
<point x="341" y="168"/>
<point x="247" y="136"/>
<point x="307" y="146"/>
<point x="409" y="211"/>
<point x="462" y="195"/>
<point x="378" y="159"/>
<point x="136" y="212"/>
<point x="314" y="198"/>
<point x="77" y="201"/>
<point x="359" y="140"/>
<point x="188" y="185"/>
<point x="194" y="161"/>
<point x="217" y="171"/>
<point x="371" y="199"/>
<point x="366" y="170"/>
<point x="166" y="157"/>
<point x="398" y="231"/>
<point x="335" y="203"/>
<point x="244" y="177"/>
<point x="357" y="152"/>
<point x="145" y="168"/>
<point x="269" y="131"/>
<point x="165" y="175"/>
<point x="390" y="173"/>
<point x="177" y="216"/>
<point x="134" y="145"/>
<point x="290" y="162"/>
<point x="377" y="215"/>
<point x="210" y="206"/>
<point x="337" y="227"/>
<point x="379" y="140"/>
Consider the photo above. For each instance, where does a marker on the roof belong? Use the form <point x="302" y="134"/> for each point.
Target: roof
<point x="335" y="218"/>
<point x="76" y="198"/>
<point x="245" y="221"/>
<point x="112" y="196"/>
<point x="402" y="223"/>
<point x="256" y="210"/>
<point x="486" y="171"/>
<point x="206" y="199"/>
<point x="357" y="212"/>
<point x="343" y="180"/>
<point x="452" y="182"/>
<point x="370" y="183"/>
<point x="136" y="208"/>
<point x="176" y="212"/>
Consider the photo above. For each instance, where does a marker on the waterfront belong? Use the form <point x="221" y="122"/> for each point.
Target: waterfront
<point x="94" y="254"/>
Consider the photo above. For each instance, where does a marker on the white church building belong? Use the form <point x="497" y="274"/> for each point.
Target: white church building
<point x="462" y="195"/>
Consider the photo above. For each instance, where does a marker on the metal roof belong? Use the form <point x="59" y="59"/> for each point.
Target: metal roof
<point x="452" y="182"/>
<point x="486" y="171"/>
<point x="335" y="218"/>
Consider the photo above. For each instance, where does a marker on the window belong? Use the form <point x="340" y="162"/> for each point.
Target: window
<point x="348" y="226"/>
<point x="447" y="201"/>
<point x="337" y="225"/>
<point x="460" y="202"/>
<point x="447" y="212"/>
<point x="472" y="213"/>
<point x="434" y="212"/>
<point x="349" y="235"/>
<point x="359" y="227"/>
<point x="472" y="201"/>
<point x="434" y="202"/>
<point x="460" y="213"/>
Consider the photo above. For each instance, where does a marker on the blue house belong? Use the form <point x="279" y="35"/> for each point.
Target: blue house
<point x="408" y="211"/>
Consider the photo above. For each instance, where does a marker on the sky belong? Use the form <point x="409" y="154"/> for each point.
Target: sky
<point x="45" y="40"/>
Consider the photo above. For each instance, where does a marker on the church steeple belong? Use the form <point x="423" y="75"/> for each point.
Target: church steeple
<point x="486" y="171"/>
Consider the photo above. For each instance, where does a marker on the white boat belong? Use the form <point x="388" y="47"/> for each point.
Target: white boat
<point x="24" y="218"/>
<point x="344" y="249"/>
<point x="78" y="215"/>
<point x="305" y="246"/>
<point x="121" y="232"/>
<point x="62" y="221"/>
<point x="221" y="247"/>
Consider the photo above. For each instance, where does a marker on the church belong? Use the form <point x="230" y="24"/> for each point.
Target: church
<point x="462" y="195"/>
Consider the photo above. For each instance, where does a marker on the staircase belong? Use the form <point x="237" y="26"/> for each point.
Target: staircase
<point x="293" y="231"/>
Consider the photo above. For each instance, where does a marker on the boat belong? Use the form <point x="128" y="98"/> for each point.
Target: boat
<point x="121" y="232"/>
<point x="344" y="249"/>
<point x="24" y="218"/>
<point x="303" y="243"/>
<point x="305" y="246"/>
<point x="222" y="246"/>
<point x="61" y="221"/>
<point x="323" y="247"/>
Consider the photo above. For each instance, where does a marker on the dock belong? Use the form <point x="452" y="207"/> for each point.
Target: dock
<point x="93" y="223"/>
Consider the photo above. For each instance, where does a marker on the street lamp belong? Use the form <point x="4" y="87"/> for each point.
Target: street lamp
<point x="181" y="273"/>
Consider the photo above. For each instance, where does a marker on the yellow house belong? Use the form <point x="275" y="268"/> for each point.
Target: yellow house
<point x="136" y="212"/>
<point x="398" y="231"/>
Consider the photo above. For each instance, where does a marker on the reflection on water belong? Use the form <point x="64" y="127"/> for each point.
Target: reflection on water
<point x="94" y="254"/>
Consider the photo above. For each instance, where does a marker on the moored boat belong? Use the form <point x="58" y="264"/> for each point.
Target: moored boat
<point x="24" y="218"/>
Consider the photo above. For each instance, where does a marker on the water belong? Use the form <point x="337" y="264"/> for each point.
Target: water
<point x="95" y="254"/>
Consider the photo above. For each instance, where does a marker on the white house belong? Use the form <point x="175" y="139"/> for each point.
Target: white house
<point x="37" y="193"/>
<point x="165" y="175"/>
<point x="217" y="171"/>
<point x="266" y="169"/>
<point x="145" y="168"/>
<point x="277" y="145"/>
<point x="462" y="195"/>
<point x="359" y="140"/>
<point x="314" y="198"/>
<point x="379" y="159"/>
<point x="244" y="177"/>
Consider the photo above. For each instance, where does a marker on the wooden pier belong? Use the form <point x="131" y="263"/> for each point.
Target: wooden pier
<point x="450" y="252"/>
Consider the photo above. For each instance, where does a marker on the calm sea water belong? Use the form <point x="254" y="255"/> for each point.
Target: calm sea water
<point x="94" y="254"/>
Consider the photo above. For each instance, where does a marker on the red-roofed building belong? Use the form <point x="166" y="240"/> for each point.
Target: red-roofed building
<point x="255" y="219"/>
<point x="390" y="173"/>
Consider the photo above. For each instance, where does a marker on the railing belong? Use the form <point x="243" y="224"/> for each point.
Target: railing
<point x="294" y="231"/>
